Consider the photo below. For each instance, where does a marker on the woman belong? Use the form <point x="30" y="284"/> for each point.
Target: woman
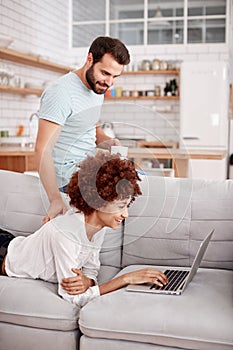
<point x="100" y="193"/>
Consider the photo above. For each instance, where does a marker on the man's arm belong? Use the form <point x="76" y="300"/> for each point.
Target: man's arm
<point x="104" y="141"/>
<point x="47" y="136"/>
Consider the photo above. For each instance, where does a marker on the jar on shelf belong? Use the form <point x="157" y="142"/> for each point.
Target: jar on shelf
<point x="134" y="93"/>
<point x="125" y="93"/>
<point x="150" y="93"/>
<point x="163" y="65"/>
<point x="118" y="91"/>
<point x="155" y="64"/>
<point x="146" y="65"/>
<point x="157" y="90"/>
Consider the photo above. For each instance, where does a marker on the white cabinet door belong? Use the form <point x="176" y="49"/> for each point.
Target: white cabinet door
<point x="204" y="104"/>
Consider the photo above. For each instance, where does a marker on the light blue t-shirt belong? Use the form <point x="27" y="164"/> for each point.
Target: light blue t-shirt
<point x="69" y="103"/>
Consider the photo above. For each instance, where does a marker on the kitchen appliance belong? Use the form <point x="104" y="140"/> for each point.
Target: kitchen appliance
<point x="108" y="128"/>
<point x="204" y="92"/>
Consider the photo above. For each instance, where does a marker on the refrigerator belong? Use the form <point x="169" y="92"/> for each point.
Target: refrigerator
<point x="204" y="108"/>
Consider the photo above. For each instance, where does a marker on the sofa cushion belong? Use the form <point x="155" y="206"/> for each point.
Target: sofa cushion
<point x="36" y="304"/>
<point x="112" y="344"/>
<point x="15" y="337"/>
<point x="200" y="318"/>
<point x="174" y="215"/>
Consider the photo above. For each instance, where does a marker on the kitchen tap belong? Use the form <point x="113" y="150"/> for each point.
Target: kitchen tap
<point x="32" y="116"/>
<point x="33" y="127"/>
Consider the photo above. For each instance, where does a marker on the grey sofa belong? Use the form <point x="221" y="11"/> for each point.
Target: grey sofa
<point x="164" y="228"/>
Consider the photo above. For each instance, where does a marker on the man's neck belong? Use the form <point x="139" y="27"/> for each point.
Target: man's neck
<point x="81" y="73"/>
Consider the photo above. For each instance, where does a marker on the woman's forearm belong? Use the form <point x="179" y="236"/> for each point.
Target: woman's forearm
<point x="112" y="285"/>
<point x="135" y="277"/>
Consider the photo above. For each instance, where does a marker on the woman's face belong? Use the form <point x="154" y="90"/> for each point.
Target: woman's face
<point x="112" y="214"/>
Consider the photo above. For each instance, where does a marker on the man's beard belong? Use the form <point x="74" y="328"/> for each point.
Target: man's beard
<point x="91" y="82"/>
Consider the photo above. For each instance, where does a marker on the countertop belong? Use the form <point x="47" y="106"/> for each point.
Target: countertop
<point x="15" y="150"/>
<point x="170" y="153"/>
<point x="139" y="152"/>
<point x="17" y="158"/>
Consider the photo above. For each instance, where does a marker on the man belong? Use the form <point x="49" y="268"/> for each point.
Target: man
<point x="69" y="114"/>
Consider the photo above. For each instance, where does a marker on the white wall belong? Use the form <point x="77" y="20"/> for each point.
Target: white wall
<point x="42" y="28"/>
<point x="38" y="28"/>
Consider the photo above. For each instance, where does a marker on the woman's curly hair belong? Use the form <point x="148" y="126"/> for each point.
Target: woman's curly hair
<point x="101" y="179"/>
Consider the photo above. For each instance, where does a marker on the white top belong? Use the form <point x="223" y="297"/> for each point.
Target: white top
<point x="52" y="251"/>
<point x="68" y="102"/>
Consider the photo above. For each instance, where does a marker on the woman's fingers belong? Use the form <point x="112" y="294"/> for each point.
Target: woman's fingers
<point x="148" y="275"/>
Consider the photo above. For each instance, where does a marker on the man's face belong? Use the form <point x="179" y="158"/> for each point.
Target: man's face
<point x="101" y="75"/>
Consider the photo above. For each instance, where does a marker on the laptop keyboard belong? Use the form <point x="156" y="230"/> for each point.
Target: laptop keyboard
<point x="175" y="280"/>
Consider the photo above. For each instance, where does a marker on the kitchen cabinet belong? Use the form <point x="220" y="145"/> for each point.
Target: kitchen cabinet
<point x="166" y="165"/>
<point x="19" y="159"/>
<point x="173" y="73"/>
<point x="28" y="60"/>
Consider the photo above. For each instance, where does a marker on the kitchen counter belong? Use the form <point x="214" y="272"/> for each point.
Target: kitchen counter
<point x="22" y="159"/>
<point x="180" y="157"/>
<point x="16" y="158"/>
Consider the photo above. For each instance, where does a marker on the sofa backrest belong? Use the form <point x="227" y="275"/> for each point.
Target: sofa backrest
<point x="165" y="226"/>
<point x="168" y="222"/>
<point x="23" y="202"/>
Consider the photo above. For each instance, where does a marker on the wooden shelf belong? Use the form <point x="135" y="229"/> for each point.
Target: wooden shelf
<point x="156" y="144"/>
<point x="19" y="91"/>
<point x="142" y="98"/>
<point x="34" y="61"/>
<point x="159" y="72"/>
<point x="149" y="72"/>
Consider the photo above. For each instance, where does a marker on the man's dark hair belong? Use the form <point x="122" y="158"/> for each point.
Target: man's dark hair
<point x="112" y="46"/>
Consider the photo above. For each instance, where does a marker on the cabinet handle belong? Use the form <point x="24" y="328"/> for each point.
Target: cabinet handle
<point x="191" y="138"/>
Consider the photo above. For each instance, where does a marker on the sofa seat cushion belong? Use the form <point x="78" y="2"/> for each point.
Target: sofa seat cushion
<point x="87" y="343"/>
<point x="35" y="303"/>
<point x="200" y="318"/>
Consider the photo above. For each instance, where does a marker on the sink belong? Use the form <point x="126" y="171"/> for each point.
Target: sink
<point x="16" y="140"/>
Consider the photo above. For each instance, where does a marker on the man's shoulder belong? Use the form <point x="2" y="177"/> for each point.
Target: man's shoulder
<point x="60" y="83"/>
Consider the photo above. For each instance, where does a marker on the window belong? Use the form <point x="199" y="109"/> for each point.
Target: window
<point x="149" y="22"/>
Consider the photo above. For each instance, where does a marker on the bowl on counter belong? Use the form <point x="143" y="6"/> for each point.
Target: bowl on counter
<point x="21" y="141"/>
<point x="5" y="40"/>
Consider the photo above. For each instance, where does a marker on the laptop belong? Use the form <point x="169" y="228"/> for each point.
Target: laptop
<point x="178" y="278"/>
